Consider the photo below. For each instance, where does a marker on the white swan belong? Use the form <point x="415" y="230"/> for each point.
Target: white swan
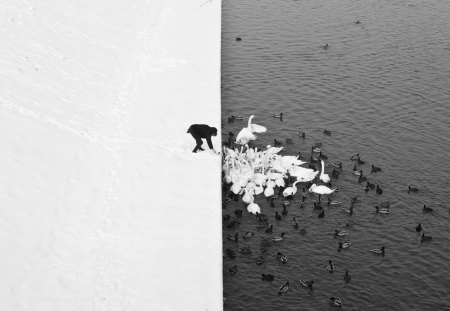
<point x="253" y="207"/>
<point x="324" y="177"/>
<point x="246" y="134"/>
<point x="321" y="189"/>
<point x="291" y="190"/>
<point x="303" y="174"/>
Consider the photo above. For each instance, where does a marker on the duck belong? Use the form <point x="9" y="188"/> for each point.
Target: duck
<point x="427" y="209"/>
<point x="279" y="115"/>
<point x="424" y="238"/>
<point x="355" y="157"/>
<point x="283" y="258"/>
<point x="233" y="237"/>
<point x="301" y="134"/>
<point x="284" y="212"/>
<point x="270" y="229"/>
<point x="321" y="214"/>
<point x="324" y="177"/>
<point x="248" y="235"/>
<point x="348" y="210"/>
<point x="283" y="289"/>
<point x="267" y="277"/>
<point x="277" y="216"/>
<point x="342" y="245"/>
<point x="278" y="238"/>
<point x="232" y="270"/>
<point x="289" y="141"/>
<point x="327" y="132"/>
<point x="315" y="149"/>
<point x="412" y="189"/>
<point x="358" y="22"/>
<point x="375" y="169"/>
<point x="362" y="178"/>
<point x="330" y="266"/>
<point x="382" y="210"/>
<point x="379" y="251"/>
<point x="326" y="46"/>
<point x="340" y="233"/>
<point x="378" y="190"/>
<point x="347" y="277"/>
<point x="277" y="143"/>
<point x="308" y="284"/>
<point x="295" y="223"/>
<point x="337" y="164"/>
<point x="419" y="227"/>
<point x="238" y="39"/>
<point x="337" y="302"/>
<point x="370" y="185"/>
<point x="331" y="202"/>
<point x="271" y="202"/>
<point x="357" y="173"/>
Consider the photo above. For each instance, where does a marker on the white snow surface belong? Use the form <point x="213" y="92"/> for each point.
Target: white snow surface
<point x="103" y="206"/>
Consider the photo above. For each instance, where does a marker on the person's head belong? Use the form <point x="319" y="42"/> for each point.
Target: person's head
<point x="213" y="131"/>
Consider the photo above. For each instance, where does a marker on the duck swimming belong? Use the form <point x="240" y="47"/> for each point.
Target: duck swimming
<point x="347" y="277"/>
<point x="382" y="210"/>
<point x="379" y="251"/>
<point x="308" y="284"/>
<point x="277" y="216"/>
<point x="238" y="39"/>
<point x="419" y="228"/>
<point x="330" y="266"/>
<point x="412" y="189"/>
<point x="337" y="302"/>
<point x="327" y="132"/>
<point x="279" y="115"/>
<point x="283" y="258"/>
<point x="378" y="190"/>
<point x="248" y="235"/>
<point x="427" y="209"/>
<point x="277" y="143"/>
<point x="321" y="214"/>
<point x="342" y="245"/>
<point x="278" y="238"/>
<point x="340" y="233"/>
<point x="283" y="289"/>
<point x="233" y="238"/>
<point x="375" y="169"/>
<point x="267" y="277"/>
<point x="270" y="229"/>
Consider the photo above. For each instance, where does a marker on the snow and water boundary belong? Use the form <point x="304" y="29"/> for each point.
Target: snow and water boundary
<point x="103" y="205"/>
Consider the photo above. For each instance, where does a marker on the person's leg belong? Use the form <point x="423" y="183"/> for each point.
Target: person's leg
<point x="198" y="140"/>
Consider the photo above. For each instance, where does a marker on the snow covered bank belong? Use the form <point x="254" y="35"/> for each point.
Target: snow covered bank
<point x="103" y="206"/>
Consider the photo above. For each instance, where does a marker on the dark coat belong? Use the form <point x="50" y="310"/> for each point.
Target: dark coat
<point x="203" y="131"/>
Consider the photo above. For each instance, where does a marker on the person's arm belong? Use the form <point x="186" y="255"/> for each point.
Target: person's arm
<point x="208" y="140"/>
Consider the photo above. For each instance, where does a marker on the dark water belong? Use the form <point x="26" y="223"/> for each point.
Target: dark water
<point x="383" y="90"/>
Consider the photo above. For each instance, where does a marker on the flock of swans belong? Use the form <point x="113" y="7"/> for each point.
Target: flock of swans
<point x="250" y="172"/>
